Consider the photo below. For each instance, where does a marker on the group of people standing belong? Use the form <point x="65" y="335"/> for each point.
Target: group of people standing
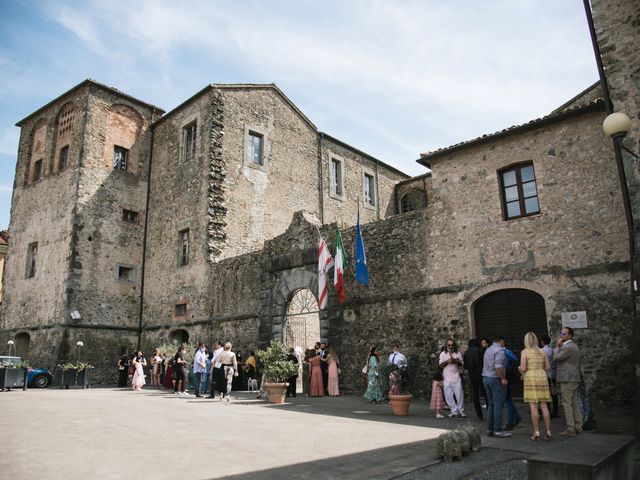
<point x="490" y="367"/>
<point x="372" y="368"/>
<point x="219" y="370"/>
<point x="321" y="371"/>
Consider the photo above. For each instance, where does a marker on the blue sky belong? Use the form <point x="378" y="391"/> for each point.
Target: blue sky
<point x="392" y="78"/>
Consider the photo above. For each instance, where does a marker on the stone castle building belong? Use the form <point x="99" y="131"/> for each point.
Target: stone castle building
<point x="130" y="226"/>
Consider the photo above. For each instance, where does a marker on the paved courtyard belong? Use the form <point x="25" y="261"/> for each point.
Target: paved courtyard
<point x="116" y="434"/>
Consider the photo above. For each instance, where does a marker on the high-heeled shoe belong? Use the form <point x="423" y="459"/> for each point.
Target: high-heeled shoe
<point x="547" y="435"/>
<point x="536" y="437"/>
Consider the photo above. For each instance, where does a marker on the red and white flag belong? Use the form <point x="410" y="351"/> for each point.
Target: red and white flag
<point x="338" y="271"/>
<point x="325" y="262"/>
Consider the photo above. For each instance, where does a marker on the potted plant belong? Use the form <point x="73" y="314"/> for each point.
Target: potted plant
<point x="277" y="370"/>
<point x="78" y="373"/>
<point x="399" y="398"/>
<point x="13" y="373"/>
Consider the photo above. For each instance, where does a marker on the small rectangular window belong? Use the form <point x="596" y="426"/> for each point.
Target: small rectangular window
<point x="369" y="189"/>
<point x="189" y="141"/>
<point x="336" y="176"/>
<point x="126" y="274"/>
<point x="32" y="256"/>
<point x="130" y="216"/>
<point x="64" y="158"/>
<point x="37" y="170"/>
<point x="256" y="146"/>
<point x="519" y="191"/>
<point x="120" y="158"/>
<point x="180" y="309"/>
<point x="184" y="247"/>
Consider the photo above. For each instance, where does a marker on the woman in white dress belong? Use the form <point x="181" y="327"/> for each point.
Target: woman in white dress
<point x="138" y="375"/>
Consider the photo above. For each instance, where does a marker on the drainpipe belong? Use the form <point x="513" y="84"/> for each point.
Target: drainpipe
<point x="320" y="175"/>
<point x="144" y="237"/>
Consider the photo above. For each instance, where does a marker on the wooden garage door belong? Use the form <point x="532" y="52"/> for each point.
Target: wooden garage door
<point x="510" y="313"/>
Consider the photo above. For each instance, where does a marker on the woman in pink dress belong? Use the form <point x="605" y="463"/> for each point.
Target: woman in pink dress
<point x="334" y="369"/>
<point x="316" y="389"/>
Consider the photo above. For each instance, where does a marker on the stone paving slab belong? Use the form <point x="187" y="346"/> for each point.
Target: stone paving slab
<point x="111" y="434"/>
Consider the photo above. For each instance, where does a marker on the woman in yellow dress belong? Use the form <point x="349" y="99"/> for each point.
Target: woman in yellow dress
<point x="533" y="366"/>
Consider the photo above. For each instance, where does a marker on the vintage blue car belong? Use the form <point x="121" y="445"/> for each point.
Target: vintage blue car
<point x="36" y="377"/>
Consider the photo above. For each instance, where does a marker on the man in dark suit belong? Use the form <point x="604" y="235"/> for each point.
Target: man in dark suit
<point x="567" y="358"/>
<point x="324" y="367"/>
<point x="474" y="361"/>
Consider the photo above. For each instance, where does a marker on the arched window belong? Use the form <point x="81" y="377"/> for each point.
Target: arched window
<point x="179" y="336"/>
<point x="413" y="200"/>
<point x="34" y="170"/>
<point x="65" y="129"/>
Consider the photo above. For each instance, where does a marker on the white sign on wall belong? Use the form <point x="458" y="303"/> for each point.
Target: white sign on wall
<point x="574" y="319"/>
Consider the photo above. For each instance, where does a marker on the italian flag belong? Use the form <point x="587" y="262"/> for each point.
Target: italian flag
<point x="338" y="269"/>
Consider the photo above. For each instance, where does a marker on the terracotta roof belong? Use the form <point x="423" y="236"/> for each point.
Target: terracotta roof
<point x="553" y="117"/>
<point x="89" y="81"/>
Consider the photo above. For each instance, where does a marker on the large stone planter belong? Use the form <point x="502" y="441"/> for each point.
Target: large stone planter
<point x="73" y="376"/>
<point x="400" y="404"/>
<point x="13" y="378"/>
<point x="276" y="392"/>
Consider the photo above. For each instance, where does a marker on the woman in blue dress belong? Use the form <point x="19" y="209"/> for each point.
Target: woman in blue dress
<point x="374" y="386"/>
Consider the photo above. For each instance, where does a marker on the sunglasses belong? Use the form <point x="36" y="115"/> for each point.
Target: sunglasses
<point x="563" y="334"/>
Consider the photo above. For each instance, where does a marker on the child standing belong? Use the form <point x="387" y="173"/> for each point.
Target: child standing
<point x="437" y="395"/>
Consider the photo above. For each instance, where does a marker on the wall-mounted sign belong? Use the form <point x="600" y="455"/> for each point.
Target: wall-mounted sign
<point x="574" y="319"/>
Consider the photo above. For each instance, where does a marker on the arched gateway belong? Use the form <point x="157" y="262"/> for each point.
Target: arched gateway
<point x="511" y="313"/>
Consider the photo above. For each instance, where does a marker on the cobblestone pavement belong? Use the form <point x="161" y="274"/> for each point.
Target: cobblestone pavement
<point x="106" y="433"/>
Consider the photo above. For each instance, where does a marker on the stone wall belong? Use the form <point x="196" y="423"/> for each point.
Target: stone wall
<point x="102" y="241"/>
<point x="42" y="212"/>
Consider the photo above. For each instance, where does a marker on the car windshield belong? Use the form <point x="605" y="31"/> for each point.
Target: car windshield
<point x="6" y="360"/>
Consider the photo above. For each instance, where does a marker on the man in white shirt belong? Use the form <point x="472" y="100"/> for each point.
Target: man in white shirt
<point x="450" y="360"/>
<point x="199" y="366"/>
<point x="396" y="358"/>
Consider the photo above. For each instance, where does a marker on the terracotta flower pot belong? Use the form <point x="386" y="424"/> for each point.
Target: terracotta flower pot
<point x="276" y="392"/>
<point x="400" y="404"/>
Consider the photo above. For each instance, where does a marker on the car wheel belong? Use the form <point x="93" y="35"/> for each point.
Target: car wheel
<point x="41" y="381"/>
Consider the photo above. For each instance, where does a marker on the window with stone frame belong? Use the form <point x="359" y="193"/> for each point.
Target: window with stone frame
<point x="189" y="135"/>
<point x="519" y="191"/>
<point x="63" y="158"/>
<point x="120" y="158"/>
<point x="32" y="257"/>
<point x="126" y="274"/>
<point x="336" y="177"/>
<point x="37" y="170"/>
<point x="256" y="148"/>
<point x="184" y="248"/>
<point x="180" y="309"/>
<point x="369" y="189"/>
<point x="130" y="216"/>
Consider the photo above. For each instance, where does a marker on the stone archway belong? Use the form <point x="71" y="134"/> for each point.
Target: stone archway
<point x="302" y="322"/>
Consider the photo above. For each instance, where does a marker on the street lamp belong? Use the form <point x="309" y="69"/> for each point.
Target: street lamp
<point x="10" y="343"/>
<point x="79" y="345"/>
<point x="616" y="125"/>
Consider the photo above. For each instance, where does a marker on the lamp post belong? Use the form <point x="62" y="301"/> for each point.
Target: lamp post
<point x="10" y="343"/>
<point x="79" y="345"/>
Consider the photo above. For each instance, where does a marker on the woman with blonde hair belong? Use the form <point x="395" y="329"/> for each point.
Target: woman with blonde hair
<point x="533" y="366"/>
<point x="229" y="368"/>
